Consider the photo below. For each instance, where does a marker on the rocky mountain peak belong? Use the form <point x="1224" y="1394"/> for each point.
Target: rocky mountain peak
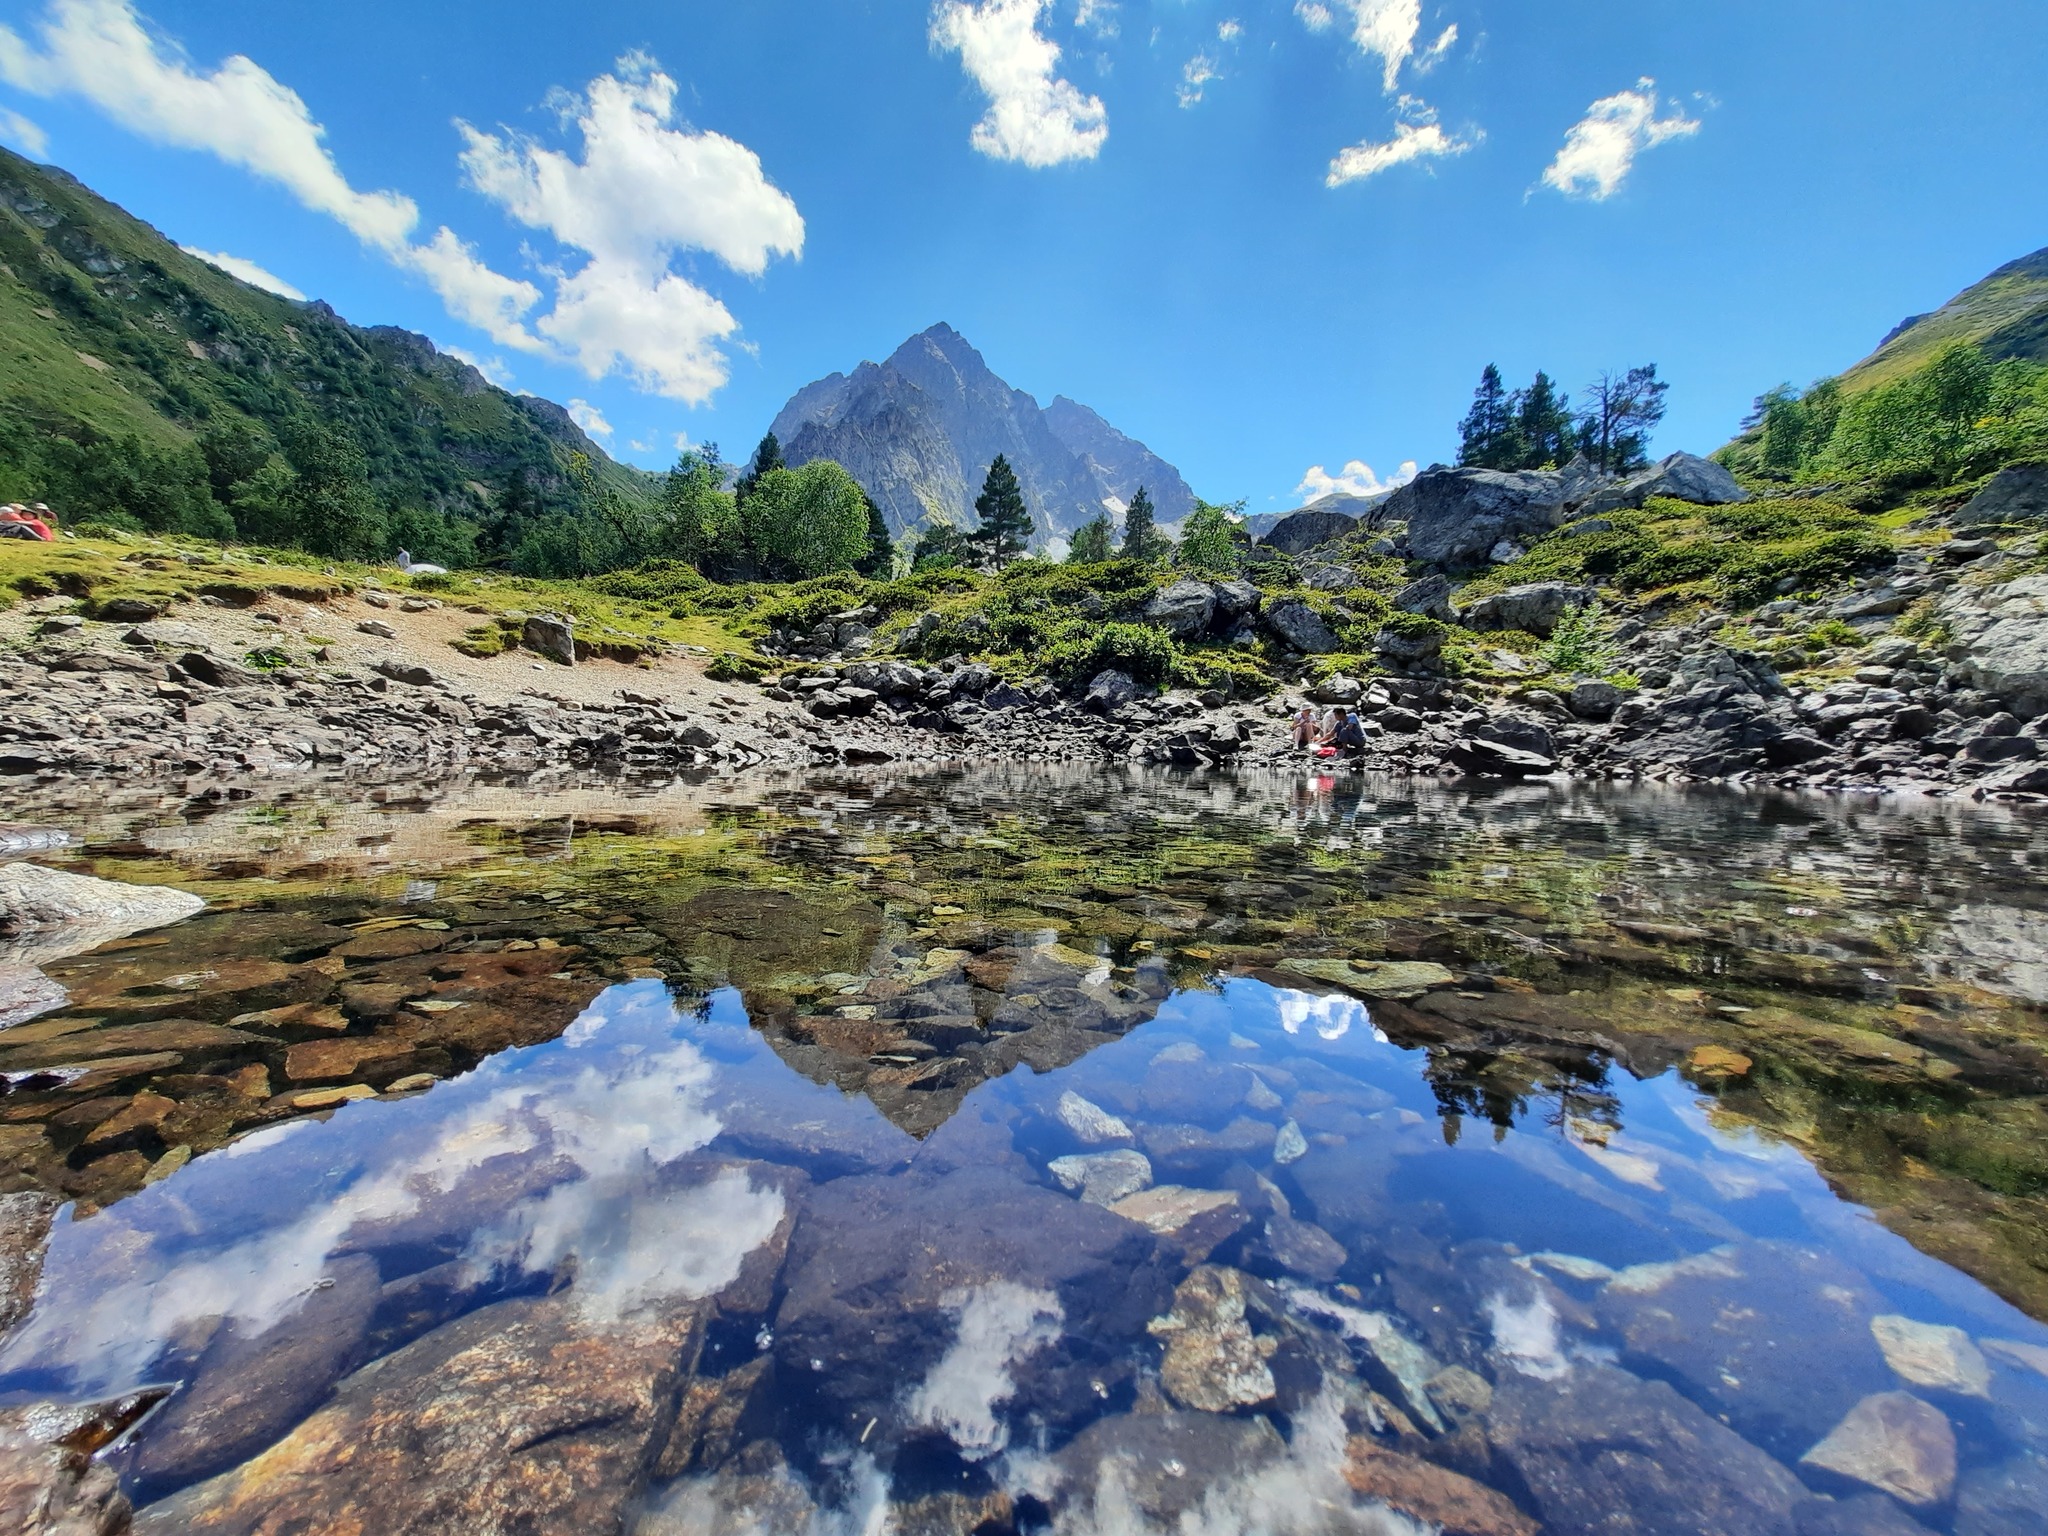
<point x="919" y="430"/>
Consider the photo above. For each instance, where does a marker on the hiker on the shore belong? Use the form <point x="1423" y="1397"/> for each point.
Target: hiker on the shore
<point x="1332" y="722"/>
<point x="1304" y="727"/>
<point x="1352" y="732"/>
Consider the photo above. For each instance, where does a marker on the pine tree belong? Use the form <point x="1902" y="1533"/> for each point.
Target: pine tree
<point x="1142" y="538"/>
<point x="940" y="547"/>
<point x="1091" y="542"/>
<point x="1005" y="521"/>
<point x="767" y="458"/>
<point x="1487" y="435"/>
<point x="879" y="562"/>
<point x="1543" y="419"/>
<point x="1620" y="415"/>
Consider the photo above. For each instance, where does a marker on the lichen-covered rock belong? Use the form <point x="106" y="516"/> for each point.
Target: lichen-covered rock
<point x="1213" y="1361"/>
<point x="1895" y="1443"/>
<point x="1680" y="477"/>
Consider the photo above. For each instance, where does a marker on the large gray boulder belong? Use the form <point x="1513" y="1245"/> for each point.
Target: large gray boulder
<point x="1681" y="477"/>
<point x="1183" y="609"/>
<point x="1537" y="607"/>
<point x="2018" y="494"/>
<point x="1300" y="532"/>
<point x="47" y="914"/>
<point x="2003" y="633"/>
<point x="1427" y="595"/>
<point x="1301" y="627"/>
<point x="1455" y="516"/>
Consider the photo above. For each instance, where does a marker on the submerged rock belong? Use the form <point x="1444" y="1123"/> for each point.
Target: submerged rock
<point x="521" y="1416"/>
<point x="1198" y="1221"/>
<point x="1895" y="1443"/>
<point x="1102" y="1178"/>
<point x="1213" y="1362"/>
<point x="24" y="1231"/>
<point x="1163" y="1464"/>
<point x="50" y="1482"/>
<point x="1090" y="1121"/>
<point x="1605" y="1453"/>
<point x="1451" y="1502"/>
<point x="1931" y="1355"/>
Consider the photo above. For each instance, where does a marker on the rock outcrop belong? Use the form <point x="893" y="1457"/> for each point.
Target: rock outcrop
<point x="2018" y="494"/>
<point x="1680" y="477"/>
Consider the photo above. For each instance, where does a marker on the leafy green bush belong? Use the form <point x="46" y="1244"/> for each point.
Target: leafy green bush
<point x="1078" y="650"/>
<point x="732" y="667"/>
<point x="266" y="658"/>
<point x="1576" y="645"/>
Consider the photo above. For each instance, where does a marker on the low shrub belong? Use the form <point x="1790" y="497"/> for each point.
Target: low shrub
<point x="1078" y="650"/>
<point x="732" y="667"/>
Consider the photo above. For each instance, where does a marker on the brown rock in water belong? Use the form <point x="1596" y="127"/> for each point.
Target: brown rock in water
<point x="1895" y="1443"/>
<point x="24" y="1231"/>
<point x="523" y="1416"/>
<point x="316" y="1061"/>
<point x="49" y="1483"/>
<point x="708" y="1417"/>
<point x="1165" y="1462"/>
<point x="391" y="944"/>
<point x="1213" y="1361"/>
<point x="1197" y="1221"/>
<point x="1604" y="1453"/>
<point x="1457" y="1504"/>
<point x="249" y="1387"/>
<point x="143" y="1115"/>
<point x="81" y="1047"/>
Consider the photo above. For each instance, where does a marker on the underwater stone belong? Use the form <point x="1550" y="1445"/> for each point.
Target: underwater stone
<point x="1091" y="1122"/>
<point x="1102" y="1178"/>
<point x="1931" y="1355"/>
<point x="1212" y="1360"/>
<point x="1895" y="1443"/>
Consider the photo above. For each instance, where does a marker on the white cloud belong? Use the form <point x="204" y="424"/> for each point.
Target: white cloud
<point x="25" y="135"/>
<point x="1097" y="16"/>
<point x="1033" y="117"/>
<point x="1356" y="479"/>
<point x="239" y="113"/>
<point x="1437" y="51"/>
<point x="645" y="192"/>
<point x="472" y="292"/>
<point x="1602" y="146"/>
<point x="1418" y="137"/>
<point x="247" y="271"/>
<point x="1229" y="31"/>
<point x="1384" y="28"/>
<point x="1194" y="76"/>
<point x="589" y="418"/>
<point x="99" y="49"/>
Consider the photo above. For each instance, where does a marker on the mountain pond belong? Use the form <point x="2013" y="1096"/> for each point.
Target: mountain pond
<point x="1010" y="1150"/>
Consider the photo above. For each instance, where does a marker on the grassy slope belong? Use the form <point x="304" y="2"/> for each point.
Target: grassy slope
<point x="2006" y="314"/>
<point x="178" y="344"/>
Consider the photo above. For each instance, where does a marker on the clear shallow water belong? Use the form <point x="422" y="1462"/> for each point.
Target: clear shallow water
<point x="811" y="1229"/>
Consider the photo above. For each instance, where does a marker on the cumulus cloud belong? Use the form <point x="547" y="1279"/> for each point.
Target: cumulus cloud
<point x="1230" y="31"/>
<point x="1418" y="136"/>
<point x="589" y="418"/>
<point x="1033" y="117"/>
<point x="1331" y="1015"/>
<point x="1196" y="74"/>
<point x="1602" y="146"/>
<point x="246" y="270"/>
<point x="100" y="49"/>
<point x="23" y="134"/>
<point x="1385" y="29"/>
<point x="1357" y="479"/>
<point x="646" y="191"/>
<point x="474" y="293"/>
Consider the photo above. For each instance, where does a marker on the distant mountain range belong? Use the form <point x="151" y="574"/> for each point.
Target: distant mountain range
<point x="919" y="431"/>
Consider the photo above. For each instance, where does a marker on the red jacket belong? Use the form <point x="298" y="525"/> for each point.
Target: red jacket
<point x="33" y="523"/>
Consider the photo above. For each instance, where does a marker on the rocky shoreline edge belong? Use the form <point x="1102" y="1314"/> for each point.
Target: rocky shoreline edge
<point x="157" y="700"/>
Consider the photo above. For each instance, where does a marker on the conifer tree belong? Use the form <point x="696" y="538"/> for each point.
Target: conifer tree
<point x="1544" y="425"/>
<point x="1487" y="436"/>
<point x="1091" y="542"/>
<point x="879" y="562"/>
<point x="1005" y="522"/>
<point x="1620" y="414"/>
<point x="1142" y="538"/>
<point x="767" y="459"/>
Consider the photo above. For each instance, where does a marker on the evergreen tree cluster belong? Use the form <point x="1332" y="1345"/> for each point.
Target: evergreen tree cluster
<point x="1536" y="428"/>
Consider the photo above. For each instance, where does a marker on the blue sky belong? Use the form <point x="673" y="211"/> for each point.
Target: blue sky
<point x="1266" y="237"/>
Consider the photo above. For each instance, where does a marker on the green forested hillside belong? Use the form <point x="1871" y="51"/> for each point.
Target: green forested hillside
<point x="2005" y="317"/>
<point x="142" y="387"/>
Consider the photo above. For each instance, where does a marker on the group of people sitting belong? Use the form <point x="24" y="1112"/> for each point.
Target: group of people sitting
<point x="20" y="522"/>
<point x="1324" y="735"/>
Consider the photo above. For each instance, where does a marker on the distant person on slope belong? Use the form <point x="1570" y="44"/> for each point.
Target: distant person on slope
<point x="19" y="522"/>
